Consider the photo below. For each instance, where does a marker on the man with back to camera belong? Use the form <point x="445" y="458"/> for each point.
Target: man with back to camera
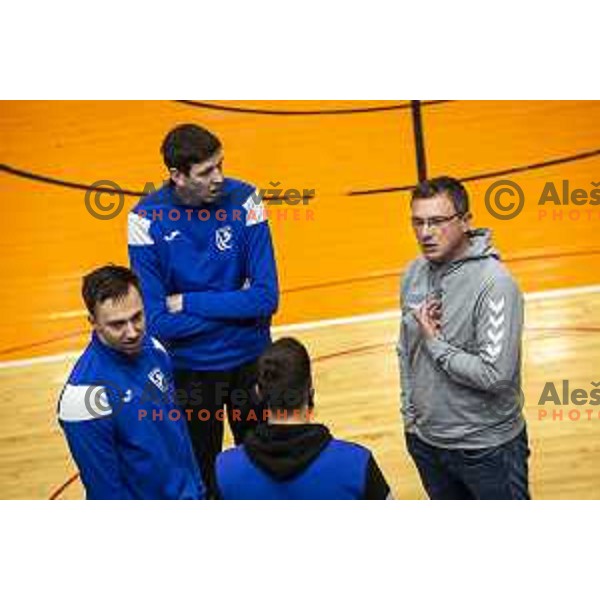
<point x="202" y="248"/>
<point x="460" y="355"/>
<point x="118" y="410"/>
<point x="290" y="458"/>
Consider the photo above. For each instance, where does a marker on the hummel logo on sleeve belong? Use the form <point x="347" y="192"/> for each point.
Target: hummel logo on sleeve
<point x="496" y="322"/>
<point x="497" y="307"/>
<point x="496" y="329"/>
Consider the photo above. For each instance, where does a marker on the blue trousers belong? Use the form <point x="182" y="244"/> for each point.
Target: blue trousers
<point x="497" y="473"/>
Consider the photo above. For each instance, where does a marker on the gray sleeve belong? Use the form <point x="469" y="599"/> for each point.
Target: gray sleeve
<point x="402" y="365"/>
<point x="498" y="322"/>
<point x="403" y="354"/>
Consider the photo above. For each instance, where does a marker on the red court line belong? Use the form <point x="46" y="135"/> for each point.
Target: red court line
<point x="590" y="329"/>
<point x="385" y="275"/>
<point x="516" y="259"/>
<point x="367" y="348"/>
<point x="323" y="285"/>
<point x="54" y="495"/>
<point x="356" y="350"/>
<point x="56" y="338"/>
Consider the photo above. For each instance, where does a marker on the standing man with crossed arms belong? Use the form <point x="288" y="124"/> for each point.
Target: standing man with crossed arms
<point x="203" y="251"/>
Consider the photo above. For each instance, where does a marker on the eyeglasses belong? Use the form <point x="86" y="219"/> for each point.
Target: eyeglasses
<point x="434" y="222"/>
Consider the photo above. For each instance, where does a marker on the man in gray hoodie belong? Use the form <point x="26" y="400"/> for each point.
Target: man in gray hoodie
<point x="460" y="355"/>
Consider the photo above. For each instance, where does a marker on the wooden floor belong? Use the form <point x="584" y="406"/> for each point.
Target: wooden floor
<point x="345" y="262"/>
<point x="357" y="395"/>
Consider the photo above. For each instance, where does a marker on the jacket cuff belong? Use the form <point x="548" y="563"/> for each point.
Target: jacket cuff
<point x="437" y="348"/>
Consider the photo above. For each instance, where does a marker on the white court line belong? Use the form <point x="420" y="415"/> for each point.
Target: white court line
<point x="310" y="325"/>
<point x="39" y="360"/>
<point x="66" y="314"/>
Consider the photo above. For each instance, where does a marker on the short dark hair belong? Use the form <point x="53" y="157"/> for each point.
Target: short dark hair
<point x="108" y="282"/>
<point x="453" y="188"/>
<point x="284" y="375"/>
<point x="187" y="145"/>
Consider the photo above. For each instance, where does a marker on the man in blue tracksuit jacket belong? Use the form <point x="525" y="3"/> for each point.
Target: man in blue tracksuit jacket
<point x="202" y="248"/>
<point x="118" y="410"/>
<point x="290" y="458"/>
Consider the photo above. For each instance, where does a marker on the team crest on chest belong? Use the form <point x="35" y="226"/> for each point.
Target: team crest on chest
<point x="224" y="238"/>
<point x="157" y="377"/>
